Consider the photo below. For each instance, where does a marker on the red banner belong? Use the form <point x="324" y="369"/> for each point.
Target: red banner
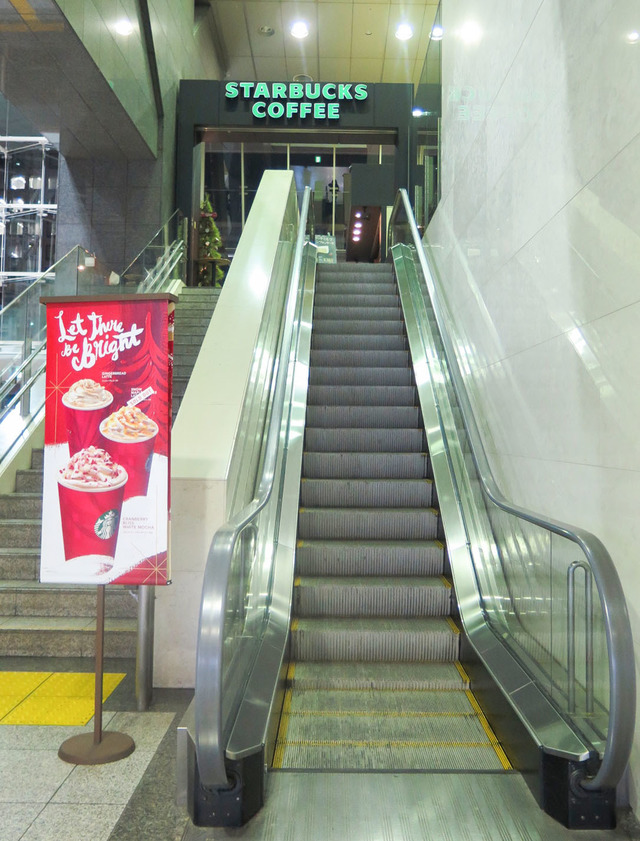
<point x="105" y="516"/>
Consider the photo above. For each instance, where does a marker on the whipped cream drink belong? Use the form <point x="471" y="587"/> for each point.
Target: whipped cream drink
<point x="129" y="436"/>
<point x="86" y="403"/>
<point x="91" y="490"/>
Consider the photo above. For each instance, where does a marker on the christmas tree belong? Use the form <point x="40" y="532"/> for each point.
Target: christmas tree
<point x="209" y="245"/>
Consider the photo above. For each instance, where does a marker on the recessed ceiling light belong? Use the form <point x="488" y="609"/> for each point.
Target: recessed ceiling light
<point x="404" y="32"/>
<point x="633" y="37"/>
<point x="299" y="29"/>
<point x="267" y="31"/>
<point x="302" y="77"/>
<point x="123" y="27"/>
<point x="436" y="32"/>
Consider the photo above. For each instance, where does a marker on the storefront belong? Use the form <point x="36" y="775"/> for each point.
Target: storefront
<point x="351" y="143"/>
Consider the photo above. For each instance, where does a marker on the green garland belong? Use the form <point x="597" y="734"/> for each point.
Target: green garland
<point x="209" y="244"/>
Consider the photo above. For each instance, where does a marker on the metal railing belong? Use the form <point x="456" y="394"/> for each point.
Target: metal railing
<point x="522" y="560"/>
<point x="161" y="265"/>
<point x="233" y="615"/>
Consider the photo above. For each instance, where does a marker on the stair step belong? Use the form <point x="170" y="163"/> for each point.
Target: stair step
<point x="367" y="493"/>
<point x="27" y="506"/>
<point x="23" y="598"/>
<point x="20" y="534"/>
<point x="354" y="395"/>
<point x="379" y="417"/>
<point x="366" y="466"/>
<point x="368" y="524"/>
<point x="363" y="440"/>
<point x="312" y="677"/>
<point x="29" y="481"/>
<point x="346" y="596"/>
<point x="37" y="458"/>
<point x="355" y="273"/>
<point x="341" y="375"/>
<point x="370" y="557"/>
<point x="374" y="640"/>
<point x="26" y="636"/>
<point x="22" y="564"/>
<point x="379" y="342"/>
<point x="360" y="358"/>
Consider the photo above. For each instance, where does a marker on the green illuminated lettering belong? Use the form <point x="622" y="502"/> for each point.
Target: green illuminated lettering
<point x="246" y="88"/>
<point x="333" y="110"/>
<point x="329" y="91"/>
<point x="292" y="108"/>
<point x="312" y="91"/>
<point x="257" y="109"/>
<point x="231" y="90"/>
<point x="296" y="90"/>
<point x="319" y="110"/>
<point x="275" y="109"/>
<point x="279" y="90"/>
<point x="262" y="91"/>
<point x="361" y="92"/>
<point x="344" y="91"/>
<point x="305" y="109"/>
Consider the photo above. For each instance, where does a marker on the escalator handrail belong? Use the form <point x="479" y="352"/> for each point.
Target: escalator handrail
<point x="209" y="727"/>
<point x="622" y="687"/>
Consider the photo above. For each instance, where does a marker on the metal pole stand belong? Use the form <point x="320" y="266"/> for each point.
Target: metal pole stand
<point x="97" y="748"/>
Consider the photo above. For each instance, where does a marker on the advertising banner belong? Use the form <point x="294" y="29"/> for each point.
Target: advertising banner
<point x="105" y="506"/>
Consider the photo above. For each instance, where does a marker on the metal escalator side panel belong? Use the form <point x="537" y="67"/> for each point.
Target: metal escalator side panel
<point x="540" y="718"/>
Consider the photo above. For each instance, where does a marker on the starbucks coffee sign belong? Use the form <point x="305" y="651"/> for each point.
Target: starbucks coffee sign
<point x="287" y="100"/>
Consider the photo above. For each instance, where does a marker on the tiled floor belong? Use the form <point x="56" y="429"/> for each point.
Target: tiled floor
<point x="43" y="798"/>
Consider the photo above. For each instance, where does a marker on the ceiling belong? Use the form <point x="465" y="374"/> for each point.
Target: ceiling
<point x="350" y="41"/>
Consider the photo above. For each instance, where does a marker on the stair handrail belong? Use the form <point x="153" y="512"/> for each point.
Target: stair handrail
<point x="208" y="702"/>
<point x="622" y="683"/>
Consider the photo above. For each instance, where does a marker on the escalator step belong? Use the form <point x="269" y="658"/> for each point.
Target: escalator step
<point x="374" y="640"/>
<point x="366" y="465"/>
<point x="375" y="557"/>
<point x="307" y="676"/>
<point x="372" y="314"/>
<point x="331" y="287"/>
<point x="330" y="341"/>
<point x="358" y="327"/>
<point x="368" y="596"/>
<point x="360" y="358"/>
<point x="360" y="376"/>
<point x="355" y="298"/>
<point x="368" y="524"/>
<point x="351" y="440"/>
<point x="381" y="417"/>
<point x="353" y="395"/>
<point x="369" y="493"/>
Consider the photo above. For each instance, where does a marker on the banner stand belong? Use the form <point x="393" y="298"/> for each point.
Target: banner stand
<point x="99" y="747"/>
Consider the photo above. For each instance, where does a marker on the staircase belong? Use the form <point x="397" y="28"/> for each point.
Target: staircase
<point x="374" y="682"/>
<point x="56" y="620"/>
<point x="193" y="314"/>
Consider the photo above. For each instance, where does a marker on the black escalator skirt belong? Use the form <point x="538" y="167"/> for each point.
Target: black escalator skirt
<point x="235" y="805"/>
<point x="566" y="801"/>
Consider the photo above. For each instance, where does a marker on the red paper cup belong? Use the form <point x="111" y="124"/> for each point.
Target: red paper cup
<point x="83" y="425"/>
<point x="90" y="519"/>
<point x="135" y="457"/>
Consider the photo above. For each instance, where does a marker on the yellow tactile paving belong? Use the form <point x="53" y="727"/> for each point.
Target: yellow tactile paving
<point x="60" y="698"/>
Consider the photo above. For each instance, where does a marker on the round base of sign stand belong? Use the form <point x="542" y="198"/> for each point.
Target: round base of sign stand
<point x="83" y="750"/>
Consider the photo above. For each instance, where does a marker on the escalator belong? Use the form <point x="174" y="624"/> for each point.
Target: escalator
<point x="373" y="604"/>
<point x="374" y="681"/>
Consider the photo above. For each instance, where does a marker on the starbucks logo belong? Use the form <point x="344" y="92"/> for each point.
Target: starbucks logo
<point x="106" y="524"/>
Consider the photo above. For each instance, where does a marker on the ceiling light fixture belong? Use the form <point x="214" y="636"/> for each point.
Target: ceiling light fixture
<point x="633" y="37"/>
<point x="470" y="32"/>
<point x="123" y="27"/>
<point x="436" y="32"/>
<point x="299" y="29"/>
<point x="404" y="32"/>
<point x="267" y="31"/>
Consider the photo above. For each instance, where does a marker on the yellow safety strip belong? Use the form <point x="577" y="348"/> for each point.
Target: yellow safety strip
<point x="453" y="625"/>
<point x="299" y="543"/>
<point x="439" y="544"/>
<point x="291" y="672"/>
<point x="446" y="582"/>
<point x="465" y="677"/>
<point x="495" y="744"/>
<point x="296" y="581"/>
<point x="294" y="624"/>
<point x="51" y="698"/>
<point x="281" y="740"/>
